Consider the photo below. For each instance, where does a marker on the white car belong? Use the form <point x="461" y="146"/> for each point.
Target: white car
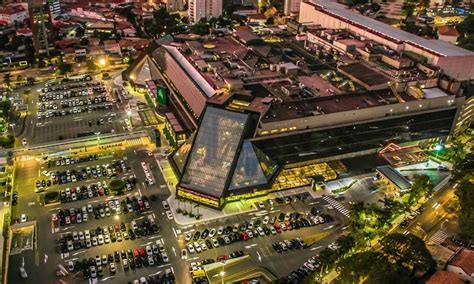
<point x="188" y="237"/>
<point x="100" y="239"/>
<point x="197" y="247"/>
<point x="184" y="254"/>
<point x="169" y="214"/>
<point x="23" y="218"/>
<point x="191" y="248"/>
<point x="212" y="233"/>
<point x="215" y="243"/>
<point x="265" y="220"/>
<point x="220" y="230"/>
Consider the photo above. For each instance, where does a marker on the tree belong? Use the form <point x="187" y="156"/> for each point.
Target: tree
<point x="7" y="79"/>
<point x="328" y="258"/>
<point x="369" y="221"/>
<point x="29" y="50"/>
<point x="409" y="252"/>
<point x="201" y="28"/>
<point x="84" y="41"/>
<point x="421" y="186"/>
<point x="345" y="244"/>
<point x="408" y="9"/>
<point x="465" y="194"/>
<point x="370" y="267"/>
<point x="64" y="68"/>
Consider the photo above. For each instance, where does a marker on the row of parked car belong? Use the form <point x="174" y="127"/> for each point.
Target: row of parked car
<point x="74" y="175"/>
<point x="209" y="239"/>
<point x="82" y="82"/>
<point x="65" y="161"/>
<point x="286" y="245"/>
<point x="297" y="275"/>
<point x="75" y="110"/>
<point x="150" y="255"/>
<point x="82" y="102"/>
<point x="101" y="210"/>
<point x="108" y="234"/>
<point x="90" y="191"/>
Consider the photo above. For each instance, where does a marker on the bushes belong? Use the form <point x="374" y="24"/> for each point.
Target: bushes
<point x="116" y="185"/>
<point x="51" y="196"/>
<point x="7" y="141"/>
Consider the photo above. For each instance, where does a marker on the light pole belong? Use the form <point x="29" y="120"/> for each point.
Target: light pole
<point x="222" y="273"/>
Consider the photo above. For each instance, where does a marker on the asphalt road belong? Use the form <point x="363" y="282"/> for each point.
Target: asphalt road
<point x="434" y="217"/>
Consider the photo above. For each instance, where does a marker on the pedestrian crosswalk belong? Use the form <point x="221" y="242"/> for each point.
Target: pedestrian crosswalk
<point x="338" y="206"/>
<point x="438" y="237"/>
<point x="135" y="141"/>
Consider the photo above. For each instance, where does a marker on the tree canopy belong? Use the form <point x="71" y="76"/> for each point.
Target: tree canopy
<point x="371" y="267"/>
<point x="409" y="252"/>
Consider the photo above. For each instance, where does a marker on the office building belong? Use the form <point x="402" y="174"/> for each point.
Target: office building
<point x="198" y="9"/>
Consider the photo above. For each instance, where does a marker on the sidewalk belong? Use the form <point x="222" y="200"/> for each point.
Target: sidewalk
<point x="208" y="214"/>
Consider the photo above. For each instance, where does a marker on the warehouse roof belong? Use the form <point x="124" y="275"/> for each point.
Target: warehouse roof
<point x="436" y="46"/>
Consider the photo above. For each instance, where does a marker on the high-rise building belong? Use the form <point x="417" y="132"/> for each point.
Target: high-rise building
<point x="291" y="6"/>
<point x="207" y="9"/>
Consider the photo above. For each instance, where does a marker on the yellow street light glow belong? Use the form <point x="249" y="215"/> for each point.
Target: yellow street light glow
<point x="102" y="61"/>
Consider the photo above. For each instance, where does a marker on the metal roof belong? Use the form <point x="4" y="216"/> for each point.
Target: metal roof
<point x="437" y="46"/>
<point x="394" y="177"/>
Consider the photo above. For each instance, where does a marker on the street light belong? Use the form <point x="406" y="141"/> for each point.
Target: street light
<point x="102" y="62"/>
<point x="222" y="273"/>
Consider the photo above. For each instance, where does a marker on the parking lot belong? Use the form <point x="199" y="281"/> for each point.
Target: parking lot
<point x="76" y="108"/>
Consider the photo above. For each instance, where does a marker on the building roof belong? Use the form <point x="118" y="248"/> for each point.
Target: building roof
<point x="394" y="177"/>
<point x="448" y="31"/>
<point x="174" y="122"/>
<point x="365" y="74"/>
<point x="184" y="82"/>
<point x="444" y="277"/>
<point x="463" y="259"/>
<point x="213" y="152"/>
<point x="435" y="46"/>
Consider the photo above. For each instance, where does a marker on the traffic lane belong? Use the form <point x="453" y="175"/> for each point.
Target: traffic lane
<point x="429" y="215"/>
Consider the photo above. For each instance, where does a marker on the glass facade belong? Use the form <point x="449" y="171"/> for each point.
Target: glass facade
<point x="213" y="152"/>
<point x="253" y="168"/>
<point x="359" y="137"/>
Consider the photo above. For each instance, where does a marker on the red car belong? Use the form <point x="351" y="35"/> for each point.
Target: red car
<point x="277" y="227"/>
<point x="245" y="236"/>
<point x="136" y="252"/>
<point x="222" y="257"/>
<point x="288" y="225"/>
<point x="142" y="251"/>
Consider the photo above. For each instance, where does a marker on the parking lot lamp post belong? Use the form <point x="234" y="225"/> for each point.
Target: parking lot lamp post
<point x="222" y="273"/>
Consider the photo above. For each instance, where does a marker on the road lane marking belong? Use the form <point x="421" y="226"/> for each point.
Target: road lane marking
<point x="315" y="248"/>
<point x="31" y="203"/>
<point x="259" y="256"/>
<point x="174" y="251"/>
<point x="79" y="252"/>
<point x="175" y="234"/>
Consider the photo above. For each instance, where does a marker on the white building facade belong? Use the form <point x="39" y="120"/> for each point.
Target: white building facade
<point x="198" y="9"/>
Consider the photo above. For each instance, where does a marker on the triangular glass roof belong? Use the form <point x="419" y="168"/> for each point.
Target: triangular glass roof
<point x="253" y="168"/>
<point x="213" y="152"/>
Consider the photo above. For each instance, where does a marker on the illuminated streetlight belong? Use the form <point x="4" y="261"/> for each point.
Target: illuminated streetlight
<point x="102" y="62"/>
